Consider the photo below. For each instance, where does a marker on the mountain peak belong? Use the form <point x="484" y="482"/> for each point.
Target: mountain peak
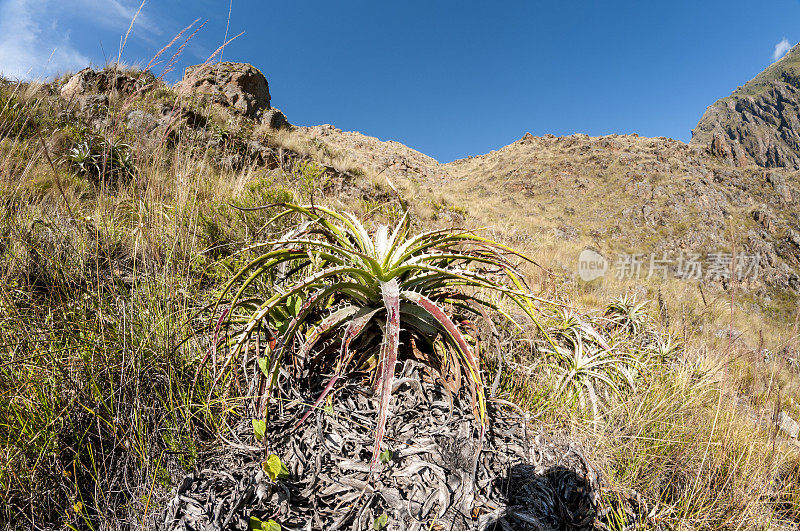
<point x="760" y="121"/>
<point x="784" y="70"/>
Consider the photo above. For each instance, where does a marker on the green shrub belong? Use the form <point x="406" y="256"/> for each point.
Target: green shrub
<point x="101" y="159"/>
<point x="331" y="278"/>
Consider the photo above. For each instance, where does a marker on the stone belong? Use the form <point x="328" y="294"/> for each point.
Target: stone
<point x="141" y="122"/>
<point x="788" y="425"/>
<point x="237" y="86"/>
<point x="720" y="147"/>
<point x="93" y="104"/>
<point x="763" y="218"/>
<point x="793" y="238"/>
<point x="275" y="119"/>
<point x="173" y="115"/>
<point x="103" y="82"/>
<point x="728" y="333"/>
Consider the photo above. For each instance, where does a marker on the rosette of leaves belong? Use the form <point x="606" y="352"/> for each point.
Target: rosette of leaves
<point x="590" y="372"/>
<point x="591" y="367"/>
<point x="663" y="348"/>
<point x="567" y="327"/>
<point x="100" y="158"/>
<point x="626" y="314"/>
<point x="347" y="301"/>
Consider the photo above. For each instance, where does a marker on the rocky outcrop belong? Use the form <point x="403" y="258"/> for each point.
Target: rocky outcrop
<point x="730" y="151"/>
<point x="237" y="86"/>
<point x="760" y="122"/>
<point x="142" y="123"/>
<point x="104" y="81"/>
<point x="275" y="119"/>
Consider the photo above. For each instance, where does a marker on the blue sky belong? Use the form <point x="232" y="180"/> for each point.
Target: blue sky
<point x="449" y="78"/>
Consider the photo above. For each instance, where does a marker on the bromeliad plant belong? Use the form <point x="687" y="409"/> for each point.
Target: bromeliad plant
<point x="589" y="373"/>
<point x="101" y="158"/>
<point x="589" y="366"/>
<point x="364" y="290"/>
<point x="628" y="315"/>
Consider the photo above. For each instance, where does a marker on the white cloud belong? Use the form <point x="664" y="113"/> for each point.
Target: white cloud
<point x="781" y="48"/>
<point x="114" y="14"/>
<point x="27" y="49"/>
<point x="36" y="46"/>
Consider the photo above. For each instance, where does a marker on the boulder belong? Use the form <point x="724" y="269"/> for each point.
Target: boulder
<point x="141" y="122"/>
<point x="102" y="82"/>
<point x="93" y="104"/>
<point x="275" y="119"/>
<point x="237" y="86"/>
<point x="788" y="425"/>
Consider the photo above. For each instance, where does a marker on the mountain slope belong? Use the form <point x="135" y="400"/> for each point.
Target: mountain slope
<point x="125" y="205"/>
<point x="618" y="193"/>
<point x="760" y="121"/>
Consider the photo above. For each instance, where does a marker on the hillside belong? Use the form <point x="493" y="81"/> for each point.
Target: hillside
<point x="621" y="194"/>
<point x="661" y="395"/>
<point x="628" y="194"/>
<point x="760" y="121"/>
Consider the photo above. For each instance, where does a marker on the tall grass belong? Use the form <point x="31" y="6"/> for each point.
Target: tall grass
<point x="102" y="281"/>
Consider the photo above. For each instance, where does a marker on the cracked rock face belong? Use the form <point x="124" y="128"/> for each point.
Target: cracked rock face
<point x="237" y="86"/>
<point x="760" y="122"/>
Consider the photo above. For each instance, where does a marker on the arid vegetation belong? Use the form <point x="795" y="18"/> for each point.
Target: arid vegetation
<point x="149" y="307"/>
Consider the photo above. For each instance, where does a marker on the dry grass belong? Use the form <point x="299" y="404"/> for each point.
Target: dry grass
<point x="685" y="441"/>
<point x="296" y="140"/>
<point x="101" y="281"/>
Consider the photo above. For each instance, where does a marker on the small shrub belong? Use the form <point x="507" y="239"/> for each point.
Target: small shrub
<point x="311" y="177"/>
<point x="331" y="278"/>
<point x="101" y="159"/>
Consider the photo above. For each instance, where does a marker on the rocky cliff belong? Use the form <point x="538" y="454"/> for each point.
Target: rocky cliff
<point x="760" y="121"/>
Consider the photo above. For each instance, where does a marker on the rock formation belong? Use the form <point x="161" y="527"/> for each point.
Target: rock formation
<point x="104" y="81"/>
<point x="238" y="86"/>
<point x="760" y="121"/>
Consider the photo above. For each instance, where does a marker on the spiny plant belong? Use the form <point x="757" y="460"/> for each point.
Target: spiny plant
<point x="340" y="281"/>
<point x="568" y="327"/>
<point x="628" y="315"/>
<point x="589" y="372"/>
<point x="101" y="158"/>
<point x="664" y="347"/>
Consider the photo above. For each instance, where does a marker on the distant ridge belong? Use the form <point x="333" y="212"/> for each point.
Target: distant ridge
<point x="760" y="121"/>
